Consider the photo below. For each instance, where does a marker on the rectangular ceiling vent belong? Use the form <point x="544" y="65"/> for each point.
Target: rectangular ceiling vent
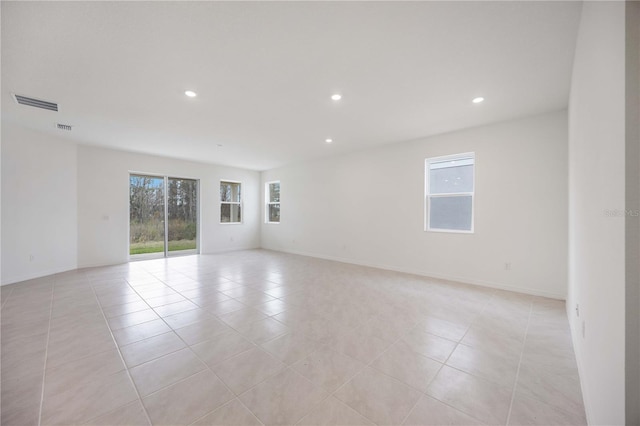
<point x="64" y="126"/>
<point x="36" y="103"/>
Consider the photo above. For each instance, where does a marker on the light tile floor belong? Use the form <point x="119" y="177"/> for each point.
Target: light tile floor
<point x="259" y="337"/>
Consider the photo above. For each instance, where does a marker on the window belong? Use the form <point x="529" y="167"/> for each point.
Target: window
<point x="272" y="195"/>
<point x="449" y="188"/>
<point x="230" y="202"/>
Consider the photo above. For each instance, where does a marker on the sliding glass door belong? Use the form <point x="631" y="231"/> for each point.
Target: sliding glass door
<point x="182" y="214"/>
<point x="146" y="215"/>
<point x="163" y="216"/>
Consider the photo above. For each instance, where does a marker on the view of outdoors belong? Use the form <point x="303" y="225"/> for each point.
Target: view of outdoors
<point x="230" y="202"/>
<point x="147" y="214"/>
<point x="273" y="204"/>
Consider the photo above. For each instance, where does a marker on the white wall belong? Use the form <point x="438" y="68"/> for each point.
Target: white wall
<point x="39" y="204"/>
<point x="68" y="205"/>
<point x="597" y="185"/>
<point x="103" y="203"/>
<point x="367" y="208"/>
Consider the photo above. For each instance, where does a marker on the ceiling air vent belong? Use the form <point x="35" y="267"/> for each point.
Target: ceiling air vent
<point x="37" y="103"/>
<point x="64" y="127"/>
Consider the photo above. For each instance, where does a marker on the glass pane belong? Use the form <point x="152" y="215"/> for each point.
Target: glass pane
<point x="236" y="215"/>
<point x="230" y="192"/>
<point x="225" y="213"/>
<point x="451" y="177"/>
<point x="453" y="213"/>
<point x="146" y="214"/>
<point x="230" y="213"/>
<point x="182" y="209"/>
<point x="274" y="192"/>
<point x="274" y="212"/>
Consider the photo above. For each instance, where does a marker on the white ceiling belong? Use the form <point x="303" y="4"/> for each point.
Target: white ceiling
<point x="264" y="72"/>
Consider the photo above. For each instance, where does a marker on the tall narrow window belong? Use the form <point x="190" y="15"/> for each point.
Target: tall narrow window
<point x="230" y="202"/>
<point x="272" y="210"/>
<point x="449" y="188"/>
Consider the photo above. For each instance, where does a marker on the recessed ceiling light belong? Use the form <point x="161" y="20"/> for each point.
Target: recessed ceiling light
<point x="336" y="97"/>
<point x="478" y="100"/>
<point x="328" y="140"/>
<point x="190" y="93"/>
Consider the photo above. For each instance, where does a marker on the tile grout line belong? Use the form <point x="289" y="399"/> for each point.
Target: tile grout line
<point x="287" y="367"/>
<point x="144" y="409"/>
<point x="368" y="365"/>
<point x="424" y="393"/>
<point x="444" y="363"/>
<point x="236" y="396"/>
<point x="418" y="401"/>
<point x="456" y="408"/>
<point x="329" y="395"/>
<point x="459" y="342"/>
<point x="46" y="354"/>
<point x="486" y="308"/>
<point x="196" y="355"/>
<point x="7" y="298"/>
<point x="224" y="405"/>
<point x="515" y="383"/>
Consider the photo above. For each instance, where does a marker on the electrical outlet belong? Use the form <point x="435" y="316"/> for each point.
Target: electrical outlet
<point x="31" y="258"/>
<point x="507" y="266"/>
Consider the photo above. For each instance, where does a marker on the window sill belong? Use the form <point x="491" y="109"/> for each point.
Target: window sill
<point x="449" y="231"/>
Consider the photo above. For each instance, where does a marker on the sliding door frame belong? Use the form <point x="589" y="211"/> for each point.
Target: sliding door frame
<point x="165" y="192"/>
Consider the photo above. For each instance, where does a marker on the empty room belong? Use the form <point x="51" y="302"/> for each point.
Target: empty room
<point x="320" y="213"/>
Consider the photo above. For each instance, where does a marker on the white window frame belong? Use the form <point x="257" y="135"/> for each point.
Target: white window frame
<point x="428" y="195"/>
<point x="239" y="203"/>
<point x="268" y="202"/>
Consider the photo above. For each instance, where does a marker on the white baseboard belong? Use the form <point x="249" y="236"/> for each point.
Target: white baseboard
<point x="120" y="262"/>
<point x="37" y="274"/>
<point x="463" y="280"/>
<point x="232" y="250"/>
